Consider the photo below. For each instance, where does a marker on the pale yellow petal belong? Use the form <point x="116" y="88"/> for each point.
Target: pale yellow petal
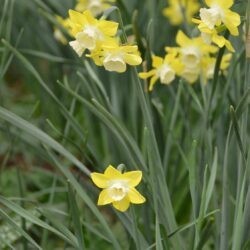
<point x="104" y="198"/>
<point x="226" y="3"/>
<point x="152" y="82"/>
<point x="132" y="60"/>
<point x="232" y="21"/>
<point x="122" y="205"/>
<point x="229" y="46"/>
<point x="209" y="2"/>
<point x="112" y="173"/>
<point x="219" y="40"/>
<point x="195" y="20"/>
<point x="100" y="180"/>
<point x="182" y="39"/>
<point x="157" y="61"/>
<point x="205" y="29"/>
<point x="145" y="75"/>
<point x="135" y="197"/>
<point x="77" y="17"/>
<point x="108" y="28"/>
<point x="130" y="49"/>
<point x="133" y="177"/>
<point x="89" y="17"/>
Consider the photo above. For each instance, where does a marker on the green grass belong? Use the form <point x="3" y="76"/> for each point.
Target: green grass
<point x="62" y="118"/>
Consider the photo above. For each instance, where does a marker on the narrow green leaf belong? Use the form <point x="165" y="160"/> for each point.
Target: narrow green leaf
<point x="76" y="218"/>
<point x="41" y="136"/>
<point x="18" y="229"/>
<point x="212" y="179"/>
<point x="30" y="217"/>
<point x="59" y="226"/>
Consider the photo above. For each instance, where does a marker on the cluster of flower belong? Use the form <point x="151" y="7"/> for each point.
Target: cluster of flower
<point x="99" y="38"/>
<point x="96" y="7"/>
<point x="192" y="59"/>
<point x="195" y="57"/>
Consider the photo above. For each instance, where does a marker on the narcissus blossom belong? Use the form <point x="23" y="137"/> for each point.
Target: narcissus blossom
<point x="192" y="60"/>
<point x="115" y="57"/>
<point x="179" y="11"/>
<point x="118" y="188"/>
<point x="96" y="7"/>
<point x="89" y="32"/>
<point x="212" y="35"/>
<point x="192" y="53"/>
<point x="164" y="69"/>
<point x="215" y="18"/>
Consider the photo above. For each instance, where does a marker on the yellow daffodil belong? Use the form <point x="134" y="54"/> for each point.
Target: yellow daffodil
<point x="213" y="19"/>
<point x="219" y="13"/>
<point x="211" y="35"/>
<point x="96" y="7"/>
<point x="192" y="50"/>
<point x="89" y="32"/>
<point x="180" y="11"/>
<point x="115" y="57"/>
<point x="164" y="69"/>
<point x="192" y="53"/>
<point x="118" y="188"/>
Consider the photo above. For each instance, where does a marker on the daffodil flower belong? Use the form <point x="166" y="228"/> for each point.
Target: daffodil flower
<point x="164" y="69"/>
<point x="118" y="188"/>
<point x="96" y="7"/>
<point x="180" y="11"/>
<point x="115" y="57"/>
<point x="89" y="32"/>
<point x="192" y="50"/>
<point x="192" y="53"/>
<point x="218" y="15"/>
<point x="211" y="35"/>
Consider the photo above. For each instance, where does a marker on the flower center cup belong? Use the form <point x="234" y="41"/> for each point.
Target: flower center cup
<point x="166" y="74"/>
<point x="95" y="7"/>
<point x="191" y="56"/>
<point x="79" y="49"/>
<point x="88" y="37"/>
<point x="118" y="190"/>
<point x="212" y="16"/>
<point x="114" y="63"/>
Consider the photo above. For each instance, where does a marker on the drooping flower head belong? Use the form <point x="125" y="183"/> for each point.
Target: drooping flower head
<point x="179" y="11"/>
<point x="115" y="57"/>
<point x="192" y="53"/>
<point x="118" y="188"/>
<point x="96" y="7"/>
<point x="213" y="19"/>
<point x="89" y="32"/>
<point x="164" y="69"/>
